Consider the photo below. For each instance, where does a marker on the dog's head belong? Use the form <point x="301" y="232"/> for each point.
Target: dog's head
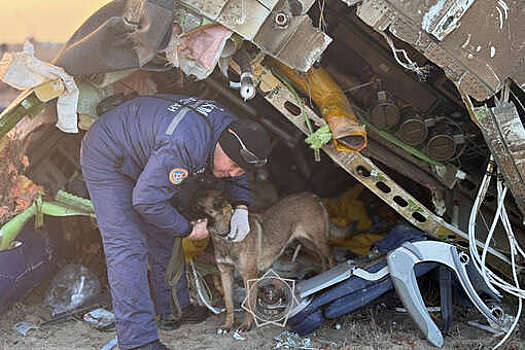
<point x="213" y="205"/>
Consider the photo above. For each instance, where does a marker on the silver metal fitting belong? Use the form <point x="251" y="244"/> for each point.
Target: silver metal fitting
<point x="281" y="19"/>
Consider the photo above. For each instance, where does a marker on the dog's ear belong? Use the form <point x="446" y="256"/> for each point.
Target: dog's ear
<point x="220" y="202"/>
<point x="196" y="205"/>
<point x="227" y="209"/>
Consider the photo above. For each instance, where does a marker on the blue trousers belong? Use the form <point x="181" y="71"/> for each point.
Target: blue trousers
<point x="129" y="244"/>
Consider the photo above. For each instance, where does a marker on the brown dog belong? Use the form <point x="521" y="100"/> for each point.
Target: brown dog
<point x="299" y="216"/>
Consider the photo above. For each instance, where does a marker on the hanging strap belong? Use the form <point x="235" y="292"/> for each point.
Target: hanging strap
<point x="174" y="273"/>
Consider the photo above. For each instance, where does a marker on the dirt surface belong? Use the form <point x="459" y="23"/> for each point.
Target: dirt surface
<point x="370" y="328"/>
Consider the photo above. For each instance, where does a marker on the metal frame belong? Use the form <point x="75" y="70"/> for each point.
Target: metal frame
<point x="365" y="171"/>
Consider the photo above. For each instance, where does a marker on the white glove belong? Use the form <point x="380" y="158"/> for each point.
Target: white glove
<point x="239" y="225"/>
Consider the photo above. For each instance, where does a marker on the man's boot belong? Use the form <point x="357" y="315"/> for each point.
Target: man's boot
<point x="168" y="322"/>
<point x="154" y="345"/>
<point x="191" y="314"/>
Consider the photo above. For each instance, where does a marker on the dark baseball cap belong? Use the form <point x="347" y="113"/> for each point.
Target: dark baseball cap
<point x="246" y="143"/>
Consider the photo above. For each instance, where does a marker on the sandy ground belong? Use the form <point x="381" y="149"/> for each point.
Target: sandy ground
<point x="369" y="328"/>
<point x="377" y="327"/>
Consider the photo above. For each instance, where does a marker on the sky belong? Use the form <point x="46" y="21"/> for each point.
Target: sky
<point x="45" y="20"/>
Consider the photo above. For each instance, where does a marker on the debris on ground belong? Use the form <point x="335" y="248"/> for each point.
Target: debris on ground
<point x="24" y="327"/>
<point x="290" y="340"/>
<point x="238" y="336"/>
<point x="111" y="344"/>
<point x="71" y="288"/>
<point x="100" y="318"/>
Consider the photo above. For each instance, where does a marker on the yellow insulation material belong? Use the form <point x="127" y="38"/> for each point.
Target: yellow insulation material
<point x="348" y="134"/>
<point x="346" y="209"/>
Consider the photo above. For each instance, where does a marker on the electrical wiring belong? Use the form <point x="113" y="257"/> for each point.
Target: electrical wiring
<point x="506" y="221"/>
<point x="472" y="220"/>
<point x="493" y="226"/>
<point x="421" y="72"/>
<point x="205" y="296"/>
<point x="514" y="246"/>
<point x="492" y="279"/>
<point x="204" y="299"/>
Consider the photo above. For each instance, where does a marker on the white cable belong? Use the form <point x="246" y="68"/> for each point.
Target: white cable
<point x="490" y="277"/>
<point x="422" y="72"/>
<point x="205" y="301"/>
<point x="493" y="227"/>
<point x="472" y="220"/>
<point x="507" y="225"/>
<point x="512" y="244"/>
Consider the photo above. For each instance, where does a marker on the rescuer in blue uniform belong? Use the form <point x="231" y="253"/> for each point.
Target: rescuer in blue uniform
<point x="137" y="158"/>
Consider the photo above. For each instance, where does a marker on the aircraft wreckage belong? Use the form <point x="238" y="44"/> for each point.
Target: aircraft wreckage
<point x="424" y="93"/>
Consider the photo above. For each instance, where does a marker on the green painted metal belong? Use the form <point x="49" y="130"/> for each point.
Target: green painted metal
<point x="78" y="203"/>
<point x="29" y="106"/>
<point x="65" y="204"/>
<point x="10" y="230"/>
<point x="392" y="139"/>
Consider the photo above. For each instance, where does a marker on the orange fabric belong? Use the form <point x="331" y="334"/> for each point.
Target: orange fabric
<point x="333" y="104"/>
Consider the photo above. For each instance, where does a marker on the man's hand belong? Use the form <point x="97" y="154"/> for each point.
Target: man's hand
<point x="200" y="231"/>
<point x="239" y="225"/>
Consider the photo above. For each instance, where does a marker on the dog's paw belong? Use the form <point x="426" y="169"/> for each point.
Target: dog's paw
<point x="245" y="327"/>
<point x="223" y="330"/>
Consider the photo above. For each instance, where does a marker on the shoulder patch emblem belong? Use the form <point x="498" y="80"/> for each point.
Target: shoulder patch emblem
<point x="178" y="175"/>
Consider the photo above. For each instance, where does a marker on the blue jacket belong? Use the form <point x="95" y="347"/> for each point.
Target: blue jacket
<point x="158" y="143"/>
